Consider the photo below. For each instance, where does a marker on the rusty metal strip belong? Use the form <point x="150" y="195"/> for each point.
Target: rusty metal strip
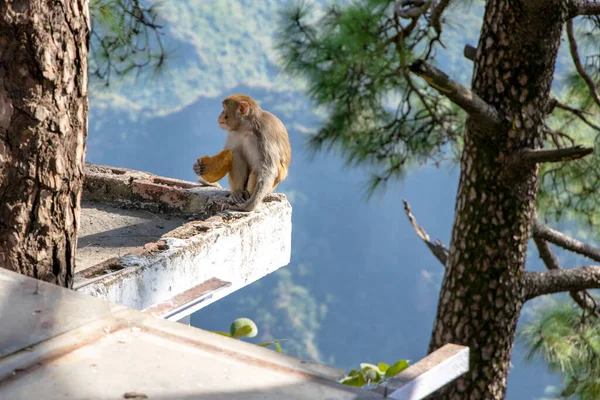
<point x="185" y="303"/>
<point x="60" y="346"/>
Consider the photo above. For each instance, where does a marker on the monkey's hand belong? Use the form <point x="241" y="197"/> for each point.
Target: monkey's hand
<point x="212" y="169"/>
<point x="239" y="196"/>
<point x="199" y="168"/>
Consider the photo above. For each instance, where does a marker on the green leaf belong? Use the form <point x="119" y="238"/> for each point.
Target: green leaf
<point x="274" y="343"/>
<point x="383" y="367"/>
<point x="358" y="380"/>
<point x="364" y="366"/>
<point x="243" y="327"/>
<point x="243" y="331"/>
<point x="396" y="368"/>
<point x="371" y="375"/>
<point x="377" y="379"/>
<point x="222" y="333"/>
<point x="367" y="366"/>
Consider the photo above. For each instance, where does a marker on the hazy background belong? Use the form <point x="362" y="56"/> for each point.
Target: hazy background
<point x="361" y="286"/>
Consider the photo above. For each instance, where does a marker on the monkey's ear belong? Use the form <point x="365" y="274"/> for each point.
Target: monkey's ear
<point x="244" y="108"/>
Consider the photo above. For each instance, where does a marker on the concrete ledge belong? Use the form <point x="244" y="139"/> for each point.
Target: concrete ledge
<point x="232" y="247"/>
<point x="140" y="190"/>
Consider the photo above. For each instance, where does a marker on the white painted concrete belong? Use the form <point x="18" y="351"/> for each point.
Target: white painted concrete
<point x="239" y="251"/>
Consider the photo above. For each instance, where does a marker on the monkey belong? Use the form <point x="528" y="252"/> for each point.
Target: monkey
<point x="204" y="182"/>
<point x="212" y="169"/>
<point x="260" y="147"/>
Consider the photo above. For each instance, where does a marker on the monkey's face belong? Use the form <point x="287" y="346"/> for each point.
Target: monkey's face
<point x="222" y="120"/>
<point x="229" y="119"/>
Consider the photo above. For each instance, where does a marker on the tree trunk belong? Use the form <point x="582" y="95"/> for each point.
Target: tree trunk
<point x="43" y="128"/>
<point x="482" y="294"/>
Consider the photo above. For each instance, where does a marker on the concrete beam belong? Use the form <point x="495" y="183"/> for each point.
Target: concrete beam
<point x="233" y="248"/>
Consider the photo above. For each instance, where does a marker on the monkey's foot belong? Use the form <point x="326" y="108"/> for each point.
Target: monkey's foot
<point x="239" y="196"/>
<point x="240" y="207"/>
<point x="223" y="206"/>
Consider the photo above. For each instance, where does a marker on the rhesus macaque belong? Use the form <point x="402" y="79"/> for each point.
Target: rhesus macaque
<point x="260" y="148"/>
<point x="211" y="169"/>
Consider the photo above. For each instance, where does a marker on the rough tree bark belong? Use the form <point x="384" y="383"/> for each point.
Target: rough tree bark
<point x="482" y="291"/>
<point x="43" y="127"/>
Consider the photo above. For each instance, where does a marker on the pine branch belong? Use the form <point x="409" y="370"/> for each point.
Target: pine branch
<point x="555" y="103"/>
<point x="437" y="248"/>
<point x="458" y="94"/>
<point x="560" y="280"/>
<point x="436" y="15"/>
<point x="564" y="241"/>
<point x="415" y="8"/>
<point x="582" y="7"/>
<point x="557" y="136"/>
<point x="583" y="298"/>
<point x="530" y="157"/>
<point x="578" y="65"/>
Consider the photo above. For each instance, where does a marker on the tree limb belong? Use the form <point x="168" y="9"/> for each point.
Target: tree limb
<point x="560" y="280"/>
<point x="578" y="65"/>
<point x="437" y="248"/>
<point x="564" y="241"/>
<point x="436" y="15"/>
<point x="582" y="7"/>
<point x="555" y="103"/>
<point x="557" y="136"/>
<point x="469" y="52"/>
<point x="583" y="298"/>
<point x="458" y="94"/>
<point x="529" y="157"/>
<point x="415" y="8"/>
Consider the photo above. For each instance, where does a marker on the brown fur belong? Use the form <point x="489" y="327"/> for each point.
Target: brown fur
<point x="261" y="150"/>
<point x="217" y="166"/>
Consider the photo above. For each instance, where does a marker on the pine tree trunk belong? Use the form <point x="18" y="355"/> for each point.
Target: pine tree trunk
<point x="43" y="128"/>
<point x="482" y="295"/>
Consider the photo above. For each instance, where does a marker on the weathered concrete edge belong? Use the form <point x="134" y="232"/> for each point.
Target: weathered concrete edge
<point x="141" y="190"/>
<point x="239" y="251"/>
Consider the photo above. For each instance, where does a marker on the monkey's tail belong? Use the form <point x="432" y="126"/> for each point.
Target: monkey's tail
<point x="205" y="183"/>
<point x="263" y="188"/>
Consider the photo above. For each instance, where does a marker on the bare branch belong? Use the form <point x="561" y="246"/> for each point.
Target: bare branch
<point x="436" y="15"/>
<point x="579" y="66"/>
<point x="458" y="94"/>
<point x="555" y="103"/>
<point x="583" y="298"/>
<point x="469" y="52"/>
<point x="529" y="157"/>
<point x="437" y="248"/>
<point x="564" y="241"/>
<point x="560" y="280"/>
<point x="557" y="136"/>
<point x="415" y="8"/>
<point x="582" y="7"/>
